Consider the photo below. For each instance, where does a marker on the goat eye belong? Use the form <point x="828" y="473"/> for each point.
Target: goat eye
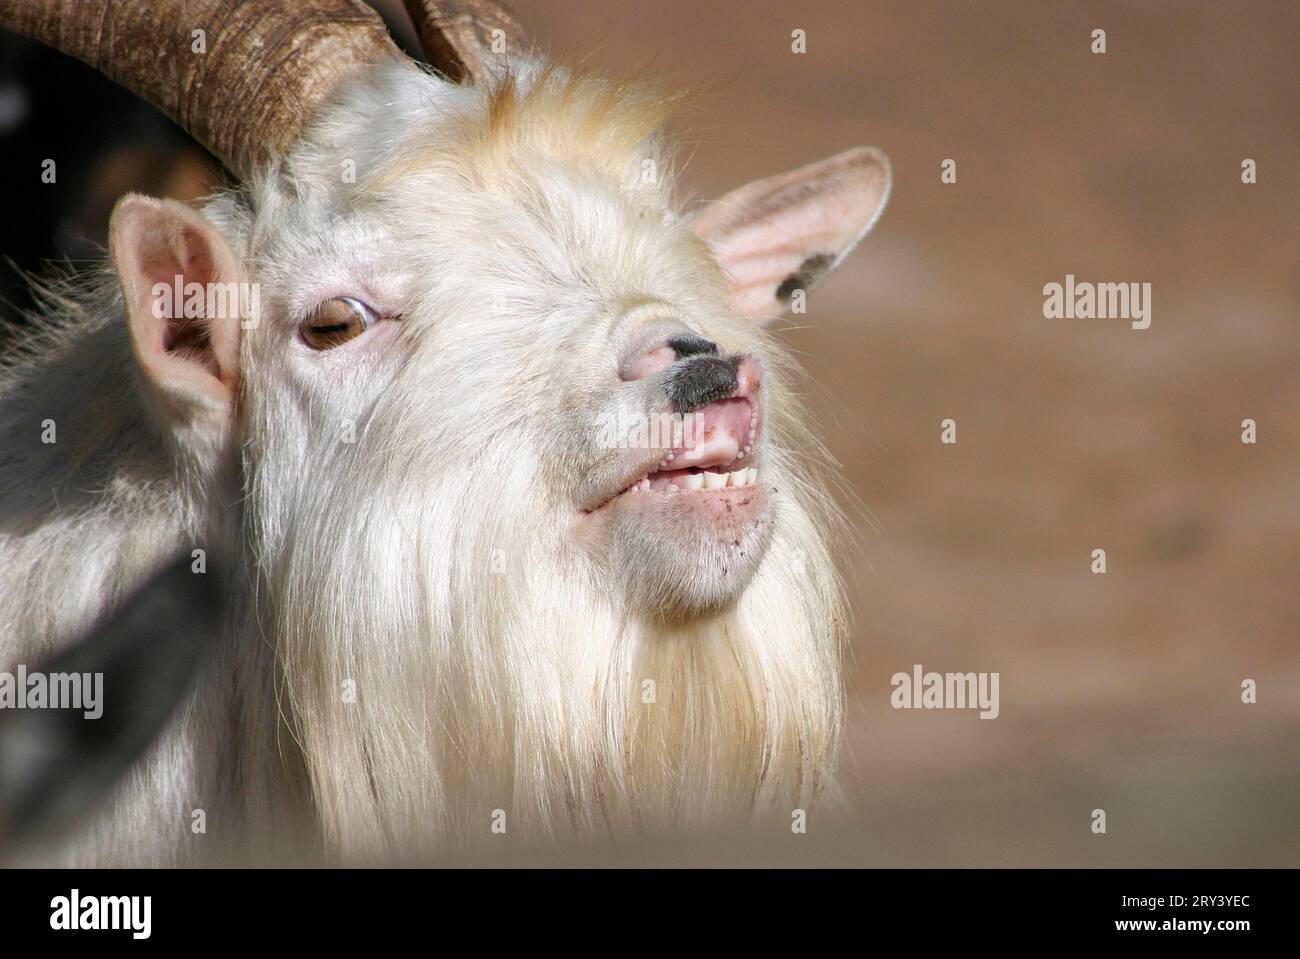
<point x="336" y="321"/>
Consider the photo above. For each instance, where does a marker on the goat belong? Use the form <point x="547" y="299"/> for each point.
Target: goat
<point x="456" y="608"/>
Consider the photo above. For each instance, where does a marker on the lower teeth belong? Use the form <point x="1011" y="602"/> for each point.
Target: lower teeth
<point x="707" y="480"/>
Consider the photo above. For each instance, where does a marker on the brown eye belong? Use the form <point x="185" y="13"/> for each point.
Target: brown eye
<point x="336" y="321"/>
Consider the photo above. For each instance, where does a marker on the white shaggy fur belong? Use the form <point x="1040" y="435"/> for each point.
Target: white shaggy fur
<point x="398" y="519"/>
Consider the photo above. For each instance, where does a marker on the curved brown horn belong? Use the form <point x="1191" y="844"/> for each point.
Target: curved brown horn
<point x="248" y="95"/>
<point x="458" y="35"/>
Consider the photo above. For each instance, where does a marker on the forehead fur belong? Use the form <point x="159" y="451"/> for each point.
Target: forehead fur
<point x="405" y="122"/>
<point x="577" y="119"/>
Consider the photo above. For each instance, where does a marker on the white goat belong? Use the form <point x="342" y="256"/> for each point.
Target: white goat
<point x="459" y="607"/>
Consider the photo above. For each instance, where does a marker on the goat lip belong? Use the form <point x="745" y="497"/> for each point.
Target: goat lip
<point x="661" y="479"/>
<point x="725" y="433"/>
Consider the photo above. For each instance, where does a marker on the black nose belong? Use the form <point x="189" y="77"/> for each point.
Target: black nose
<point x="690" y="345"/>
<point x="701" y="380"/>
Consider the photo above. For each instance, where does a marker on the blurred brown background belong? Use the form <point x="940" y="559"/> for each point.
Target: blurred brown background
<point x="1120" y="691"/>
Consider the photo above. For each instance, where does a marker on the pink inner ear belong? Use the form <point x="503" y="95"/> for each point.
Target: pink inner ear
<point x="776" y="236"/>
<point x="188" y="335"/>
<point x="191" y="338"/>
<point x="165" y="255"/>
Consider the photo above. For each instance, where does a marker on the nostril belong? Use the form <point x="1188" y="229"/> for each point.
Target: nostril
<point x="667" y="352"/>
<point x="649" y="363"/>
<point x="689" y="345"/>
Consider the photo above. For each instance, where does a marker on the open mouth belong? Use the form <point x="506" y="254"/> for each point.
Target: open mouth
<point x="717" y="452"/>
<point x="727" y="476"/>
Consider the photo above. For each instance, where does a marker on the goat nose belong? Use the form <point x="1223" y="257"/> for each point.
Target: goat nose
<point x="690" y="345"/>
<point x="667" y="352"/>
<point x="701" y="380"/>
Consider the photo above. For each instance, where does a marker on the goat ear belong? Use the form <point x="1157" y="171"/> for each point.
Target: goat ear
<point x="782" y="234"/>
<point x="183" y="298"/>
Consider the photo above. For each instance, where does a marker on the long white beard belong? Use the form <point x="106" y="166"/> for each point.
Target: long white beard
<point x="447" y="683"/>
